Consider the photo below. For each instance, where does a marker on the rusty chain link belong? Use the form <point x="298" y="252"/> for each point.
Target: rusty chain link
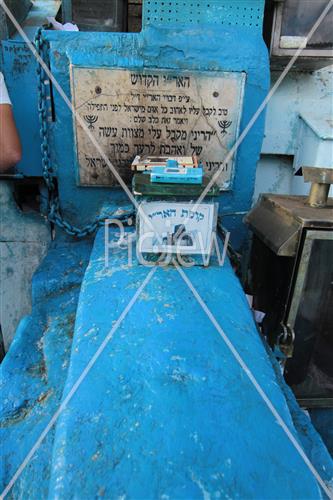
<point x="54" y="212"/>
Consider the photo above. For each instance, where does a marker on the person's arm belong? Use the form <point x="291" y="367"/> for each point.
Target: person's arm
<point x="10" y="146"/>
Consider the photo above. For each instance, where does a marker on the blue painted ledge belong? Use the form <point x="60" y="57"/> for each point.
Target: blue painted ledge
<point x="166" y="412"/>
<point x="34" y="370"/>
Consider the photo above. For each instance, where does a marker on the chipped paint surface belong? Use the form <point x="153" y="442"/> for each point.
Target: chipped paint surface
<point x="231" y="49"/>
<point x="165" y="412"/>
<point x="34" y="370"/>
<point x="300" y="92"/>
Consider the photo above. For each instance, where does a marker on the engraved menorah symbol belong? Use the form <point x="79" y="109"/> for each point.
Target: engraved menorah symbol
<point x="91" y="119"/>
<point x="224" y="124"/>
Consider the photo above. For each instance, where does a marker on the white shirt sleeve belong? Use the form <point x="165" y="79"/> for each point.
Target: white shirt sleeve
<point x="4" y="97"/>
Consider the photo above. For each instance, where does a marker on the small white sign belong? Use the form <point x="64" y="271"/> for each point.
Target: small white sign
<point x="173" y="227"/>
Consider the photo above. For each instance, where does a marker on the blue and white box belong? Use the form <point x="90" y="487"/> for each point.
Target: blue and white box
<point x="175" y="174"/>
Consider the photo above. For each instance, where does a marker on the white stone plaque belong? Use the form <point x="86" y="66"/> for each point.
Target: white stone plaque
<point x="154" y="112"/>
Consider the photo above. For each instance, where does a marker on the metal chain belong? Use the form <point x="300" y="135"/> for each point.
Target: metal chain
<point x="54" y="213"/>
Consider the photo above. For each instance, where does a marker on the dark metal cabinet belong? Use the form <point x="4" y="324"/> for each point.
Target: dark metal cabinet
<point x="292" y="282"/>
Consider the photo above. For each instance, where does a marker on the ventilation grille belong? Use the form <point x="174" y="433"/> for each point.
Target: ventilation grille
<point x="218" y="12"/>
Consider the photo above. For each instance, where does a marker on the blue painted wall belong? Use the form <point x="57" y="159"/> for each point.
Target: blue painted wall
<point x="19" y="66"/>
<point x="211" y="36"/>
<point x="300" y="92"/>
<point x="218" y="47"/>
<point x="204" y="47"/>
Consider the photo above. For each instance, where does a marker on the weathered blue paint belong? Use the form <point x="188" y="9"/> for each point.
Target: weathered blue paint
<point x="300" y="92"/>
<point x="322" y="419"/>
<point x="20" y="69"/>
<point x="166" y="410"/>
<point x="200" y="47"/>
<point x="238" y="13"/>
<point x="34" y="371"/>
<point x="227" y="38"/>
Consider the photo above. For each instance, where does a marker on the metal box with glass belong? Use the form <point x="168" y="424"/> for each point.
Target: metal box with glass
<point x="292" y="282"/>
<point x="292" y="23"/>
